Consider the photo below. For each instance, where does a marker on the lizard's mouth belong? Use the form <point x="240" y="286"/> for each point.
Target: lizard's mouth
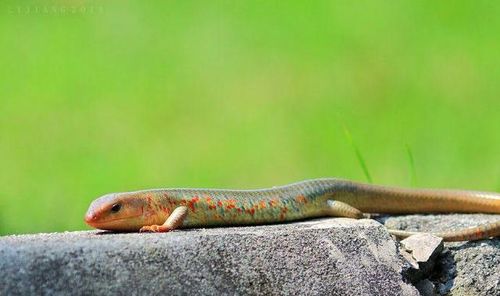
<point x="92" y="220"/>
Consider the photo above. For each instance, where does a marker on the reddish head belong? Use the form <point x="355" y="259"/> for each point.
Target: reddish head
<point x="117" y="212"/>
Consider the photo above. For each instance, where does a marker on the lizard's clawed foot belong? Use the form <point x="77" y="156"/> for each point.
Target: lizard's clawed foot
<point x="154" y="228"/>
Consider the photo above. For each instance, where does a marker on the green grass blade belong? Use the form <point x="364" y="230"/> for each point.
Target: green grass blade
<point x="359" y="156"/>
<point x="413" y="171"/>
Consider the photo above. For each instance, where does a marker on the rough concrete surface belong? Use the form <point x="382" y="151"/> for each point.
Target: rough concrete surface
<point x="463" y="268"/>
<point x="319" y="257"/>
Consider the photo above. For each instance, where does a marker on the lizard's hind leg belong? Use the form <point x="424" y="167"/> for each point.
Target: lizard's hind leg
<point x="339" y="209"/>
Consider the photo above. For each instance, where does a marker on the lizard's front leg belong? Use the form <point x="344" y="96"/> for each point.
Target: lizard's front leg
<point x="173" y="221"/>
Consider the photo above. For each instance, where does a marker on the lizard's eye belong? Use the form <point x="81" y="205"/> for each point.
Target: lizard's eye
<point x="115" y="208"/>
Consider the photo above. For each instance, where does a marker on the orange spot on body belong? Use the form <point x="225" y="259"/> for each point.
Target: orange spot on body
<point x="219" y="203"/>
<point x="273" y="202"/>
<point x="209" y="202"/>
<point x="262" y="204"/>
<point x="192" y="202"/>
<point x="301" y="199"/>
<point x="283" y="212"/>
<point x="230" y="204"/>
<point x="251" y="211"/>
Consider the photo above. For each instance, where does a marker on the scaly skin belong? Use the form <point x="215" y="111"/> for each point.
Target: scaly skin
<point x="162" y="210"/>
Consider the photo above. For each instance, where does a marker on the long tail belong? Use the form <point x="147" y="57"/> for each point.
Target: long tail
<point x="392" y="200"/>
<point x="468" y="234"/>
<point x="380" y="199"/>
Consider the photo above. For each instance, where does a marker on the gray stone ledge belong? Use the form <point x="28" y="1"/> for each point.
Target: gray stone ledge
<point x="318" y="257"/>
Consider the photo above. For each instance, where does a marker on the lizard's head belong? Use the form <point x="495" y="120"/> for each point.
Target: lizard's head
<point x="117" y="212"/>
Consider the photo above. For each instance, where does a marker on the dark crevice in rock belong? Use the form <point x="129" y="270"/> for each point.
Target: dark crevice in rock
<point x="443" y="275"/>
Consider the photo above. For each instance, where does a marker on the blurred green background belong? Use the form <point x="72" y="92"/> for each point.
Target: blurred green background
<point x="106" y="96"/>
